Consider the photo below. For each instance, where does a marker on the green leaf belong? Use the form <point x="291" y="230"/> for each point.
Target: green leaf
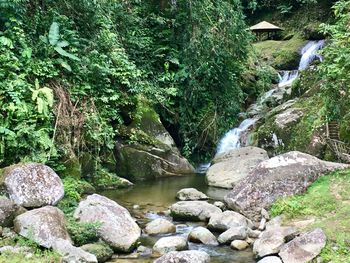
<point x="64" y="53"/>
<point x="54" y="33"/>
<point x="6" y="42"/>
<point x="65" y="65"/>
<point x="63" y="43"/>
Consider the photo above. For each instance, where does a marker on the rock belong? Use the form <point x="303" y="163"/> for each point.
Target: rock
<point x="265" y="214"/>
<point x="271" y="259"/>
<point x="15" y="250"/>
<point x="101" y="250"/>
<point x="8" y="233"/>
<point x="32" y="185"/>
<point x="118" y="228"/>
<point x="234" y="233"/>
<point x="167" y="244"/>
<point x="202" y="235"/>
<point x="143" y="162"/>
<point x="160" y="226"/>
<point x="225" y="220"/>
<point x="220" y="204"/>
<point x="144" y="251"/>
<point x="194" y="210"/>
<point x="274" y="222"/>
<point x="230" y="168"/>
<point x="288" y="117"/>
<point x="7" y="212"/>
<point x="190" y="194"/>
<point x="262" y="224"/>
<point x="239" y="244"/>
<point x="253" y="233"/>
<point x="271" y="241"/>
<point x="42" y="225"/>
<point x="281" y="176"/>
<point x="189" y="256"/>
<point x="71" y="253"/>
<point x="304" y="248"/>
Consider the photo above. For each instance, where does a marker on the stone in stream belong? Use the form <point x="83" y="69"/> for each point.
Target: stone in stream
<point x="234" y="233"/>
<point x="194" y="210"/>
<point x="42" y="225"/>
<point x="188" y="256"/>
<point x="304" y="248"/>
<point x="101" y="250"/>
<point x="160" y="226"/>
<point x="202" y="235"/>
<point x="281" y="176"/>
<point x="239" y="244"/>
<point x="231" y="167"/>
<point x="271" y="241"/>
<point x="225" y="220"/>
<point x="168" y="244"/>
<point x="118" y="229"/>
<point x="32" y="185"/>
<point x="190" y="194"/>
<point x="271" y="259"/>
<point x="71" y="253"/>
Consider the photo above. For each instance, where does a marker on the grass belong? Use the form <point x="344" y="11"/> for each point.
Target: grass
<point x="48" y="257"/>
<point x="327" y="201"/>
<point x="281" y="54"/>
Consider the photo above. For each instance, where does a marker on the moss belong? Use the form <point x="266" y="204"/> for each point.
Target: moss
<point x="106" y="180"/>
<point x="44" y="257"/>
<point x="327" y="202"/>
<point x="101" y="250"/>
<point x="283" y="55"/>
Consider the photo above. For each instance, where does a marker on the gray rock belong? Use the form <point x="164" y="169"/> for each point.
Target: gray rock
<point x="304" y="248"/>
<point x="262" y="224"/>
<point x="72" y="254"/>
<point x="271" y="241"/>
<point x="42" y="225"/>
<point x="15" y="250"/>
<point x="194" y="210"/>
<point x="118" y="228"/>
<point x="7" y="212"/>
<point x="202" y="235"/>
<point x="253" y="233"/>
<point x="189" y="256"/>
<point x="32" y="185"/>
<point x="168" y="244"/>
<point x="190" y="194"/>
<point x="160" y="226"/>
<point x="234" y="233"/>
<point x="288" y="117"/>
<point x="239" y="244"/>
<point x="225" y="220"/>
<point x="230" y="168"/>
<point x="220" y="204"/>
<point x="284" y="175"/>
<point x="271" y="259"/>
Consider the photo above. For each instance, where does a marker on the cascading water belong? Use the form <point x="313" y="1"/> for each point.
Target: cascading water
<point x="233" y="138"/>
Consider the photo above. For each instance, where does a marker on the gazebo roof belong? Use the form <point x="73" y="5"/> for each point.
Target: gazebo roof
<point x="265" y="26"/>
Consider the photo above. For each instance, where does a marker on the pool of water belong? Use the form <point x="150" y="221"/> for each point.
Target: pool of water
<point x="147" y="201"/>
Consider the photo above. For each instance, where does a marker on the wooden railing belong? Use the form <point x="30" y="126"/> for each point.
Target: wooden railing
<point x="340" y="149"/>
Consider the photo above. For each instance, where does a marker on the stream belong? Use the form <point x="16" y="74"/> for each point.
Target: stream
<point x="154" y="197"/>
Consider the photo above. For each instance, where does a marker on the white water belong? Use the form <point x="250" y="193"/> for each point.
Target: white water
<point x="232" y="139"/>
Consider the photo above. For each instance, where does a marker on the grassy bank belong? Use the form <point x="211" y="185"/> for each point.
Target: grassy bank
<point x="326" y="204"/>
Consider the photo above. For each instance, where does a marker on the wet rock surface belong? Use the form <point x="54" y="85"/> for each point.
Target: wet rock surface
<point x="189" y="256"/>
<point x="202" y="235"/>
<point x="194" y="210"/>
<point x="160" y="226"/>
<point x="190" y="194"/>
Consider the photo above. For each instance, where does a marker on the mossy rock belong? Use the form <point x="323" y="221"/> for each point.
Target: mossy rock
<point x="72" y="168"/>
<point x="101" y="250"/>
<point x="312" y="32"/>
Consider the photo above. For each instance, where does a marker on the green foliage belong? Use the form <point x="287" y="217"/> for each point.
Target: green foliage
<point x="83" y="233"/>
<point x="335" y="68"/>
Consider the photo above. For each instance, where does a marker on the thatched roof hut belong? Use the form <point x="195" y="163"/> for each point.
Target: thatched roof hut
<point x="264" y="26"/>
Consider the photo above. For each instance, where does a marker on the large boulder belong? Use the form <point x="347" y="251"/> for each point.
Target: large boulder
<point x="225" y="220"/>
<point x="160" y="226"/>
<point x="71" y="253"/>
<point x="284" y="175"/>
<point x="202" y="235"/>
<point x="193" y="210"/>
<point x="8" y="210"/>
<point x="288" y="117"/>
<point x="190" y="194"/>
<point x="118" y="229"/>
<point x="271" y="241"/>
<point x="303" y="248"/>
<point x="168" y="244"/>
<point x="32" y="185"/>
<point x="42" y="225"/>
<point x="230" y="168"/>
<point x="189" y="256"/>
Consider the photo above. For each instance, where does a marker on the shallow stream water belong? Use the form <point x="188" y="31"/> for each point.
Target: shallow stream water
<point x="153" y="198"/>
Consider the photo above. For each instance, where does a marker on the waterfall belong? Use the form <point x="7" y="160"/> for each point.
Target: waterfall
<point x="287" y="78"/>
<point x="232" y="139"/>
<point x="309" y="53"/>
